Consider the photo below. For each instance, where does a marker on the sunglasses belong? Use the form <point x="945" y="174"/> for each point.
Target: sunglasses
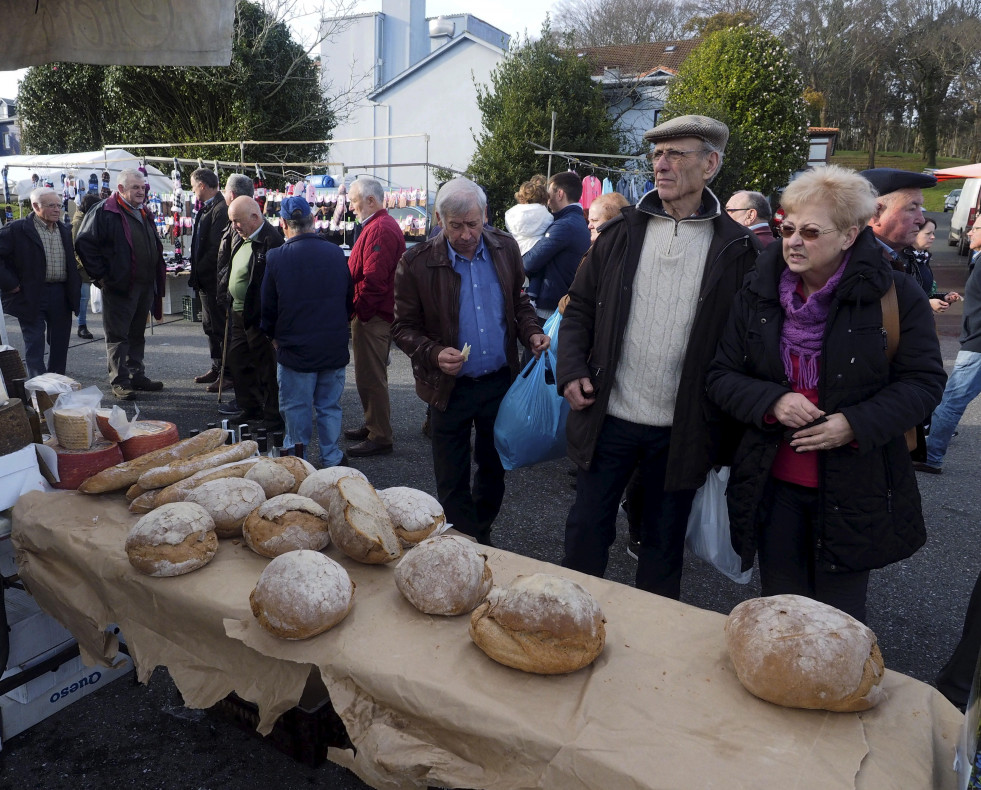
<point x="807" y="234"/>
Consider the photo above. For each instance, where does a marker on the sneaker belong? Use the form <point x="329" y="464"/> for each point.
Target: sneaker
<point x="83" y="332"/>
<point x="921" y="466"/>
<point x="144" y="384"/>
<point x="123" y="391"/>
<point x="229" y="408"/>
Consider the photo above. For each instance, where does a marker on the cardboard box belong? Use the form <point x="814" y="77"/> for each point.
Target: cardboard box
<point x="19" y="473"/>
<point x="15" y="717"/>
<point x="32" y="632"/>
<point x="31" y="689"/>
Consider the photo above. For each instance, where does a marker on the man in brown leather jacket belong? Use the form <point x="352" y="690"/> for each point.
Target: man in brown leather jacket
<point x="458" y="311"/>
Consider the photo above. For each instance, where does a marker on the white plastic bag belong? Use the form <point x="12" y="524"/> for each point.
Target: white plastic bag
<point x="86" y="401"/>
<point x="95" y="299"/>
<point x="708" y="528"/>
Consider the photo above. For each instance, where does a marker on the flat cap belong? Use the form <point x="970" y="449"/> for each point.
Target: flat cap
<point x="714" y="132"/>
<point x="295" y="208"/>
<point x="888" y="179"/>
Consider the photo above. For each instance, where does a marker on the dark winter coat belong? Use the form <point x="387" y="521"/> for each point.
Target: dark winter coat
<point x="427" y="309"/>
<point x="268" y="238"/>
<point x="23" y="265"/>
<point x="307" y="298"/>
<point x="551" y="263"/>
<point x="592" y="329"/>
<point x="209" y="227"/>
<point x="870" y="504"/>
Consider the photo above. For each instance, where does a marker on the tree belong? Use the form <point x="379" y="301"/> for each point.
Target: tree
<point x="745" y="78"/>
<point x="271" y="90"/>
<point x="600" y="23"/>
<point x="534" y="79"/>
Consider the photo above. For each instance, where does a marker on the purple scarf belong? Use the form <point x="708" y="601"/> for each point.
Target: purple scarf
<point x="804" y="324"/>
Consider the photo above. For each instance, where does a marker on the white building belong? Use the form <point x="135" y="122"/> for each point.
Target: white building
<point x="417" y="77"/>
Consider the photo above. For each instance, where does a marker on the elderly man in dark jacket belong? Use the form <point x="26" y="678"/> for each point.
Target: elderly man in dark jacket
<point x="209" y="227"/>
<point x="251" y="356"/>
<point x="121" y="252"/>
<point x="645" y="314"/>
<point x="39" y="281"/>
<point x="307" y="301"/>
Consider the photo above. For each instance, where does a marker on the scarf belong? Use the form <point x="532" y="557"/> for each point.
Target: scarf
<point x="804" y="324"/>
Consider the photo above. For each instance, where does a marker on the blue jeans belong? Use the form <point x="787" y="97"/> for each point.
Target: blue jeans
<point x="963" y="386"/>
<point x="83" y="304"/>
<point x="302" y="393"/>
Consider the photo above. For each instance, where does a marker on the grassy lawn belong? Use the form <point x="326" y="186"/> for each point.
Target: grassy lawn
<point x="933" y="199"/>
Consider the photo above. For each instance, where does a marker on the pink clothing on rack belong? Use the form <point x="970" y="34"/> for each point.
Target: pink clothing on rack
<point x="592" y="188"/>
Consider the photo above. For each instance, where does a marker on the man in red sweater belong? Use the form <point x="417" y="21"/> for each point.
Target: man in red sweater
<point x="376" y="252"/>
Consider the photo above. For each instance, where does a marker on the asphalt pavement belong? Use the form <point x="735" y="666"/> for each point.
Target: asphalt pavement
<point x="131" y="735"/>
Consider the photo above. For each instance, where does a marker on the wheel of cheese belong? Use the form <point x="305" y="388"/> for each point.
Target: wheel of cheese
<point x="444" y="575"/>
<point x="544" y="624"/>
<point x="301" y="594"/>
<point x="76" y="466"/>
<point x="415" y="514"/>
<point x="74" y="428"/>
<point x="799" y="653"/>
<point x="15" y="428"/>
<point x="287" y="522"/>
<point x="172" y="540"/>
<point x="147" y="436"/>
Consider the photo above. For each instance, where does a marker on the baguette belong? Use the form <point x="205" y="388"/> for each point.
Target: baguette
<point x="145" y="502"/>
<point x="178" y="470"/>
<point x="177" y="492"/>
<point x="125" y="474"/>
<point x="134" y="491"/>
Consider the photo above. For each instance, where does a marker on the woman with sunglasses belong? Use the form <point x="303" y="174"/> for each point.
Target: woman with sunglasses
<point x="923" y="274"/>
<point x="822" y="486"/>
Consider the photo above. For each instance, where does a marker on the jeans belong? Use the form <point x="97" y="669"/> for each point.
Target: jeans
<point x="83" y="304"/>
<point x="590" y="528"/>
<point x="963" y="386"/>
<point x="302" y="393"/>
<point x="53" y="324"/>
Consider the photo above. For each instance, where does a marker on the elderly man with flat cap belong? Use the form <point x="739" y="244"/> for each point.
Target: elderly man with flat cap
<point x="645" y="314"/>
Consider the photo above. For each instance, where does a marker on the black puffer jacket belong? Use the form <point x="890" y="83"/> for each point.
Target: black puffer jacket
<point x="870" y="504"/>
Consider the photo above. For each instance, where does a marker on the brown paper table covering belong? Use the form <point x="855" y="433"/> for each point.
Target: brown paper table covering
<point x="660" y="708"/>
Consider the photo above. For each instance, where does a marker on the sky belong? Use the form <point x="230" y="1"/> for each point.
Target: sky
<point x="512" y="16"/>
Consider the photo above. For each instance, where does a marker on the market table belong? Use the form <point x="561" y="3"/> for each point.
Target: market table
<point x="661" y="707"/>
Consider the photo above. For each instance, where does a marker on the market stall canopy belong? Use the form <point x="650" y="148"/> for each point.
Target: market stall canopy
<point x="117" y="32"/>
<point x="963" y="171"/>
<point x="81" y="165"/>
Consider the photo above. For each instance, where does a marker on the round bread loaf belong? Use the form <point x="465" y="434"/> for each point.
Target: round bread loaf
<point x="275" y="479"/>
<point x="228" y="502"/>
<point x="359" y="522"/>
<point x="297" y="467"/>
<point x="799" y="653"/>
<point x="301" y="594"/>
<point x="415" y="514"/>
<point x="321" y="485"/>
<point x="444" y="574"/>
<point x="287" y="522"/>
<point x="174" y="539"/>
<point x="544" y="624"/>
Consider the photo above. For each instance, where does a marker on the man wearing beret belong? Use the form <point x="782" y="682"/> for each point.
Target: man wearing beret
<point x="645" y="314"/>
<point x="307" y="298"/>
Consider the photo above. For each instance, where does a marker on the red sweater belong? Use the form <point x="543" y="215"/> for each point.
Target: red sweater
<point x="373" y="260"/>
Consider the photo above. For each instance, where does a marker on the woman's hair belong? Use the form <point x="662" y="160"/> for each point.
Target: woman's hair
<point x="88" y="200"/>
<point x="850" y="197"/>
<point x="928" y="221"/>
<point x="532" y="191"/>
<point x="609" y="204"/>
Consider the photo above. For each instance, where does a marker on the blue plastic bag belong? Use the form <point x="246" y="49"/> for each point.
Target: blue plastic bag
<point x="530" y="425"/>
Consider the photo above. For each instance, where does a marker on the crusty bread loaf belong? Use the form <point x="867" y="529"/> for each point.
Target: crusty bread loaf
<point x="125" y="474"/>
<point x="415" y="514"/>
<point x="359" y="522"/>
<point x="274" y="478"/>
<point x="172" y="540"/>
<point x="297" y="467"/>
<point x="228" y="502"/>
<point x="544" y="624"/>
<point x="444" y="574"/>
<point x="135" y="491"/>
<point x="179" y="470"/>
<point x="799" y="653"/>
<point x="287" y="522"/>
<point x="321" y="485"/>
<point x="176" y="492"/>
<point x="145" y="502"/>
<point x="301" y="594"/>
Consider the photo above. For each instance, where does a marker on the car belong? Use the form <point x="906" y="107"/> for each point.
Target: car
<point x="966" y="211"/>
<point x="950" y="200"/>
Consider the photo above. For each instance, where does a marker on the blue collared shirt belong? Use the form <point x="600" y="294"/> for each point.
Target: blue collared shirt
<point x="481" y="312"/>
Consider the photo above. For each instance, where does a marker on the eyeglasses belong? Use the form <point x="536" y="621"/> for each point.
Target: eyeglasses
<point x="734" y="210"/>
<point x="807" y="234"/>
<point x="50" y="205"/>
<point x="674" y="155"/>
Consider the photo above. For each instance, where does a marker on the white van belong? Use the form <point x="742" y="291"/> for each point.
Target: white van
<point x="964" y="215"/>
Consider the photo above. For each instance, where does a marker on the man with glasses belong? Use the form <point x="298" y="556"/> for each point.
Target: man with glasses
<point x="121" y="252"/>
<point x="964" y="383"/>
<point x="40" y="284"/>
<point x="752" y="209"/>
<point x="645" y="314"/>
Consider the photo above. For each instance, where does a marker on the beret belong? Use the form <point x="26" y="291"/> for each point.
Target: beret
<point x="704" y="128"/>
<point x="295" y="207"/>
<point x="888" y="179"/>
